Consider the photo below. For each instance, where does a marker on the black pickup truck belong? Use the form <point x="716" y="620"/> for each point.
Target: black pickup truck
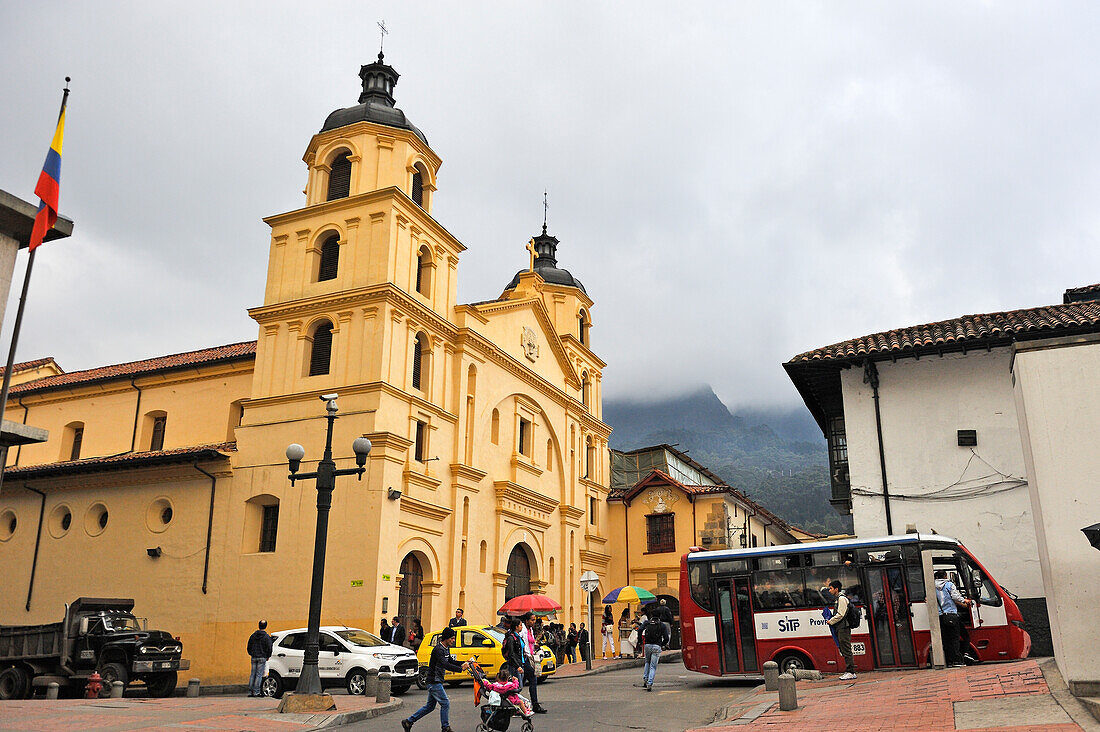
<point x="96" y="634"/>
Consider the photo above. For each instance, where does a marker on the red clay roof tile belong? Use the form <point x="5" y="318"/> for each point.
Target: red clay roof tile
<point x="124" y="460"/>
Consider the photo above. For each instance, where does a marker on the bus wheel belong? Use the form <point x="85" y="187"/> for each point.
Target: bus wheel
<point x="791" y="661"/>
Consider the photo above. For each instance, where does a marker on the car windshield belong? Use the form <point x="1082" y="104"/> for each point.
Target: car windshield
<point x="121" y="623"/>
<point x="361" y="638"/>
<point x="494" y="634"/>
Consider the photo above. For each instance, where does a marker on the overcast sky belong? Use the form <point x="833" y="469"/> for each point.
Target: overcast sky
<point x="734" y="183"/>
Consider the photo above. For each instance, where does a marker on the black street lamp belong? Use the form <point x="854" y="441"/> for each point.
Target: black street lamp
<point x="310" y="680"/>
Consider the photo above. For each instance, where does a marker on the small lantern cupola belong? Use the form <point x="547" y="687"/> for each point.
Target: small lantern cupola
<point x="379" y="79"/>
<point x="546" y="250"/>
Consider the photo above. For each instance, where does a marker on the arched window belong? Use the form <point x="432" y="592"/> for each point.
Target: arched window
<point x="494" y="434"/>
<point x="409" y="596"/>
<point x="71" y="441"/>
<point x="484" y="556"/>
<point x="155" y="424"/>
<point x="330" y="259"/>
<point x="424" y="272"/>
<point x="519" y="574"/>
<point x="339" y="178"/>
<point x="585" y="388"/>
<point x="418" y="188"/>
<point x="582" y="328"/>
<point x="261" y="524"/>
<point x="419" y="360"/>
<point x="321" y="351"/>
<point x="550" y="577"/>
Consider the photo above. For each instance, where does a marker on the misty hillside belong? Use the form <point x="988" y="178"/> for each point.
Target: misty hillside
<point x="776" y="456"/>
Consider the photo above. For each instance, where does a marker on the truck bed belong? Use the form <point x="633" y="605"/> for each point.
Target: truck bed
<point x="26" y="642"/>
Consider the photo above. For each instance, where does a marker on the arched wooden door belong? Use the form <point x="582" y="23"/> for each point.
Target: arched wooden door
<point x="519" y="574"/>
<point x="409" y="597"/>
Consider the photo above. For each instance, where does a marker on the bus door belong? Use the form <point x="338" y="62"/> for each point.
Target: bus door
<point x="736" y="626"/>
<point x="886" y="601"/>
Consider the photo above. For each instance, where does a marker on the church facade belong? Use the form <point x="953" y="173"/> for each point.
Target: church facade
<point x="165" y="480"/>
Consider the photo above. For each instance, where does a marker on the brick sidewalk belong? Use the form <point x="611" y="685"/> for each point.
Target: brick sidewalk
<point x="935" y="701"/>
<point x="205" y="712"/>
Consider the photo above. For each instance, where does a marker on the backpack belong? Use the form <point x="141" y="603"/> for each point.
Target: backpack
<point x="854" y="616"/>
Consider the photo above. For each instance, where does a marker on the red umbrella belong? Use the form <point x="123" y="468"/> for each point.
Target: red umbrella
<point x="523" y="604"/>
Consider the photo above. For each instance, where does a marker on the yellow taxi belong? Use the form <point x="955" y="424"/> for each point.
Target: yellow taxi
<point x="485" y="642"/>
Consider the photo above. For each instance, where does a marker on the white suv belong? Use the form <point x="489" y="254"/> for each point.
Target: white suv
<point x="345" y="656"/>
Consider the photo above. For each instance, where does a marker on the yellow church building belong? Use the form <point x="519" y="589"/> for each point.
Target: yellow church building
<point x="165" y="480"/>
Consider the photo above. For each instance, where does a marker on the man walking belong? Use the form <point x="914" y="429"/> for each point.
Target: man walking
<point x="438" y="666"/>
<point x="457" y="621"/>
<point x="259" y="650"/>
<point x="656" y="636"/>
<point x="949" y="599"/>
<point x="839" y="621"/>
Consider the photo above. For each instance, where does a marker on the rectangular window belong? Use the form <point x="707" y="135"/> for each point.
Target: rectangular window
<point x="524" y="437"/>
<point x="78" y="437"/>
<point x="838" y="459"/>
<point x="661" y="532"/>
<point x="591" y="511"/>
<point x="269" y="528"/>
<point x="420" y="447"/>
<point x="157" y="442"/>
<point x="779" y="590"/>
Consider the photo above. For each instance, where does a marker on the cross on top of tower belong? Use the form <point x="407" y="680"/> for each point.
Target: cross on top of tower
<point x="382" y="40"/>
<point x="545" y="209"/>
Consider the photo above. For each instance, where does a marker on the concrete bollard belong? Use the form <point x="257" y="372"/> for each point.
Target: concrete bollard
<point x="116" y="689"/>
<point x="806" y="674"/>
<point x="371" y="688"/>
<point x="771" y="675"/>
<point x="192" y="688"/>
<point x="383" y="695"/>
<point x="788" y="697"/>
<point x="52" y="690"/>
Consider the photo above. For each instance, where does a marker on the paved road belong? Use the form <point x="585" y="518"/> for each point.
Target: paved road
<point x="680" y="699"/>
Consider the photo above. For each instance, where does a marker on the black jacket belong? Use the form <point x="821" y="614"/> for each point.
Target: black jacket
<point x="655" y="633"/>
<point x="512" y="651"/>
<point x="456" y="623"/>
<point x="399" y="635"/>
<point x="259" y="645"/>
<point x="440" y="663"/>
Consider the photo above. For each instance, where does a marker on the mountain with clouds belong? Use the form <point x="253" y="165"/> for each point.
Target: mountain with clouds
<point x="776" y="456"/>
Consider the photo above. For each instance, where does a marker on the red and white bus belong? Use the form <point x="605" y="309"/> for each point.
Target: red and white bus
<point x="740" y="608"/>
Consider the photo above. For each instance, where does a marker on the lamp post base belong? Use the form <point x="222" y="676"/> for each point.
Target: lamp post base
<point x="293" y="703"/>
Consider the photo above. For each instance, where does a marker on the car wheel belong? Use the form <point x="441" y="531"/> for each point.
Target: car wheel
<point x="110" y="673"/>
<point x="161" y="685"/>
<point x="14" y="683"/>
<point x="356" y="682"/>
<point x="792" y="661"/>
<point x="422" y="678"/>
<point x="272" y="685"/>
<point x="399" y="689"/>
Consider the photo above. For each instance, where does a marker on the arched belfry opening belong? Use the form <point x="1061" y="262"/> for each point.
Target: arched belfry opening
<point x="410" y="596"/>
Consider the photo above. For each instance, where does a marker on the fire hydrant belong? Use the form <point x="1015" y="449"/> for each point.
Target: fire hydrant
<point x="95" y="684"/>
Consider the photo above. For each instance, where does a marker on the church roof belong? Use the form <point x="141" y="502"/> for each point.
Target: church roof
<point x="231" y="352"/>
<point x="546" y="264"/>
<point x="126" y="460"/>
<point x="376" y="103"/>
<point x="28" y="365"/>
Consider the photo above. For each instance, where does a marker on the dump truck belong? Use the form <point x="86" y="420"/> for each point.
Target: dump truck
<point x="96" y="635"/>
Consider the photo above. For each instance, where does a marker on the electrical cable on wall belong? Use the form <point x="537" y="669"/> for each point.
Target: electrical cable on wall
<point x="961" y="490"/>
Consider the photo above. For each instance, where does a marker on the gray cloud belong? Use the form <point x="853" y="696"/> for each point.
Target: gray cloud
<point x="733" y="183"/>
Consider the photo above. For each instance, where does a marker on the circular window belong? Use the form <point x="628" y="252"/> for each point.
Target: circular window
<point x="159" y="515"/>
<point x="61" y="519"/>
<point x="95" y="521"/>
<point x="8" y="522"/>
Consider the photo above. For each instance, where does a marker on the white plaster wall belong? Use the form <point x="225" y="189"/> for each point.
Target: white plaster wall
<point x="923" y="403"/>
<point x="1059" y="408"/>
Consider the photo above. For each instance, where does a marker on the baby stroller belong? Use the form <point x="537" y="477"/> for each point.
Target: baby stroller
<point x="497" y="712"/>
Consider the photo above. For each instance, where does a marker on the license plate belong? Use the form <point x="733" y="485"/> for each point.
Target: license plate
<point x="164" y="664"/>
<point x="859" y="649"/>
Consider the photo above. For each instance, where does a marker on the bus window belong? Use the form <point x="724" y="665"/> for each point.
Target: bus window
<point x="818" y="578"/>
<point x="771" y="563"/>
<point x="826" y="559"/>
<point x="915" y="581"/>
<point x="778" y="590"/>
<point x="699" y="580"/>
<point x="879" y="555"/>
<point x="729" y="566"/>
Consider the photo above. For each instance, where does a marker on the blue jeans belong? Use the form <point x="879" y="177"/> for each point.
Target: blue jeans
<point x="531" y="676"/>
<point x="257" y="676"/>
<point x="652" y="656"/>
<point x="436" y="695"/>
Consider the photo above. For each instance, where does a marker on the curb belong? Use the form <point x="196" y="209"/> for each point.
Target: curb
<point x="343" y="718"/>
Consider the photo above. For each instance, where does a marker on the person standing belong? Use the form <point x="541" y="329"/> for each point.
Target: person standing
<point x="585" y="642"/>
<point x="949" y="599"/>
<point x="571" y="640"/>
<point x="416" y="634"/>
<point x="655" y="636"/>
<point x="438" y="666"/>
<point x="839" y="621"/>
<point x="385" y="632"/>
<point x="531" y="661"/>
<point x="398" y="634"/>
<point x="457" y="621"/>
<point x="607" y="630"/>
<point x="259" y="650"/>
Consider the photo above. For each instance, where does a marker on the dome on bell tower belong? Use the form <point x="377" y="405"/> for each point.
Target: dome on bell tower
<point x="375" y="103"/>
<point x="546" y="264"/>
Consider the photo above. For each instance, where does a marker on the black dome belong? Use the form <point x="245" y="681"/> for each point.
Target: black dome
<point x="375" y="103"/>
<point x="546" y="264"/>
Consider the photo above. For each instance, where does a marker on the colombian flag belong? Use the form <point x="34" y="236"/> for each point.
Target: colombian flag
<point x="49" y="183"/>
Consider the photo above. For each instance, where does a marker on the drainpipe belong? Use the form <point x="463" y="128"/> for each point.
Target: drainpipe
<point x="37" y="543"/>
<point x="626" y="522"/>
<point x="870" y="376"/>
<point x="209" y="526"/>
<point x="137" y="413"/>
<point x="26" y="411"/>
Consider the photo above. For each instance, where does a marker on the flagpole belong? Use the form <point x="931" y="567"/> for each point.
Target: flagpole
<point x="19" y="324"/>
